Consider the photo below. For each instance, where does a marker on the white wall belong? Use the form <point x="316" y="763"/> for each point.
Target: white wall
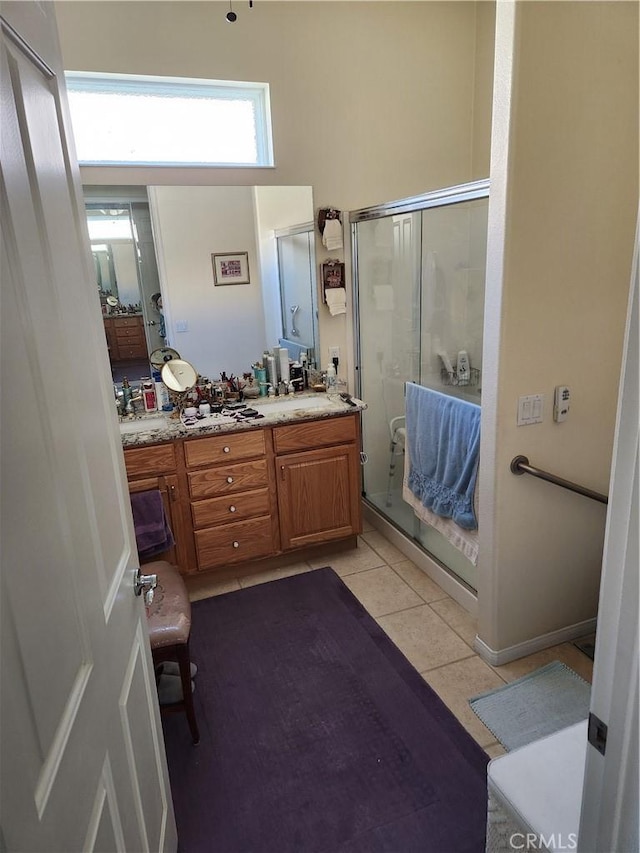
<point x="564" y="192"/>
<point x="225" y="324"/>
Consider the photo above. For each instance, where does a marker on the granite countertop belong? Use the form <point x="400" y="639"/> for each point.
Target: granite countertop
<point x="161" y="427"/>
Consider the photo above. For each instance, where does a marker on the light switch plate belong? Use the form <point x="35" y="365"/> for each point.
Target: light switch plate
<point x="530" y="409"/>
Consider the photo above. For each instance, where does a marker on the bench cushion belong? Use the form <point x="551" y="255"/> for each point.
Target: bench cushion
<point x="169" y="614"/>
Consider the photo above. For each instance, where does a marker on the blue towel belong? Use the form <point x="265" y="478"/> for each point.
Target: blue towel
<point x="443" y="439"/>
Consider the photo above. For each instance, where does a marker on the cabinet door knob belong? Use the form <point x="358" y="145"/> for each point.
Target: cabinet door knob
<point x="229" y="479"/>
<point x="236" y="544"/>
<point x="232" y="509"/>
<point x="226" y="449"/>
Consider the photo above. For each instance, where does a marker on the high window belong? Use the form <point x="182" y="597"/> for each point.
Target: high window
<point x="170" y="121"/>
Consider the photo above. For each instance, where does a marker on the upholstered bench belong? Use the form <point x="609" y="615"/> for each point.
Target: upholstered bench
<point x="169" y="624"/>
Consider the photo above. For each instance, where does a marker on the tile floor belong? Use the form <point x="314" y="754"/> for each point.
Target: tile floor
<point x="434" y="632"/>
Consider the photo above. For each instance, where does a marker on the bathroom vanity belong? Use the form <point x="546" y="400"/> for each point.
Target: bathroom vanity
<point x="125" y="337"/>
<point x="242" y="492"/>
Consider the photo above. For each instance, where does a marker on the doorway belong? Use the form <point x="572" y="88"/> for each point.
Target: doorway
<point x="128" y="284"/>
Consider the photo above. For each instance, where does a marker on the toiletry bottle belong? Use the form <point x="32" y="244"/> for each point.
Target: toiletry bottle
<point x="127" y="393"/>
<point x="462" y="368"/>
<point x="162" y="394"/>
<point x="331" y="377"/>
<point x="285" y="374"/>
<point x="272" y="373"/>
<point x="149" y="395"/>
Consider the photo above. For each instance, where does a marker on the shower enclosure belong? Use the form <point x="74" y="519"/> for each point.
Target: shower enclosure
<point x="419" y="271"/>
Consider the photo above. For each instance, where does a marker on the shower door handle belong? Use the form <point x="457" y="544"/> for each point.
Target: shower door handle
<point x="294" y="310"/>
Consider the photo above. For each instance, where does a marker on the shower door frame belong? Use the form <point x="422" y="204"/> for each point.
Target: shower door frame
<point x="415" y="204"/>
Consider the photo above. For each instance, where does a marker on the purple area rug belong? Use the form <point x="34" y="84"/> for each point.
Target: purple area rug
<point x="317" y="734"/>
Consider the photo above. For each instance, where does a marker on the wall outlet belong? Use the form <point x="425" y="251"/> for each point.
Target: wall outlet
<point x="334" y="352"/>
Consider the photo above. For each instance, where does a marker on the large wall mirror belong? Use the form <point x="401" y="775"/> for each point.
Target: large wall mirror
<point x="128" y="287"/>
<point x="155" y="250"/>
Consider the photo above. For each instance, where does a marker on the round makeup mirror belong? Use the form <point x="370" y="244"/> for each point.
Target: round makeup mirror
<point x="159" y="357"/>
<point x="179" y="375"/>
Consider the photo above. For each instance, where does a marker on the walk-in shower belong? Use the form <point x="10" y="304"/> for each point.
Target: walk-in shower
<point x="419" y="273"/>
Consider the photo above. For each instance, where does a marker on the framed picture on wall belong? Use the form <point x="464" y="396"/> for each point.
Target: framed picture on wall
<point x="230" y="268"/>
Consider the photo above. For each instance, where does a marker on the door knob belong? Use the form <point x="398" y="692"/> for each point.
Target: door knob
<point x="151" y="322"/>
<point x="145" y="583"/>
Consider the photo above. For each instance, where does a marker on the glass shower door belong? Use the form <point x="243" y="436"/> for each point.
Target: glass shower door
<point x="389" y="262"/>
<point x="420" y="285"/>
<point x="296" y="264"/>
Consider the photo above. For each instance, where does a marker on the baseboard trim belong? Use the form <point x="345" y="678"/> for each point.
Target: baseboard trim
<point x="535" y="644"/>
<point x="413" y="552"/>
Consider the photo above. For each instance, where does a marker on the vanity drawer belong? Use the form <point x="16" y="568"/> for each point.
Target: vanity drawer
<point x="230" y="508"/>
<point x="226" y="479"/>
<point x="131" y="349"/>
<point x="129" y="332"/>
<point x="126" y="322"/>
<point x="313" y="434"/>
<point x="234" y="543"/>
<point x="224" y="448"/>
<point x="150" y="460"/>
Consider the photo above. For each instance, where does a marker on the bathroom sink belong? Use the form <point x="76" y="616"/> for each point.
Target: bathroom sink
<point x="319" y="402"/>
<point x="153" y="423"/>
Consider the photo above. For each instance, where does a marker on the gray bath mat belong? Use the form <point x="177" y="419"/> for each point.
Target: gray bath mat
<point x="534" y="706"/>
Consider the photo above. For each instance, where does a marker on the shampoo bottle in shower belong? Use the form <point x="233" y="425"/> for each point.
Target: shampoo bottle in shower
<point x="462" y="368"/>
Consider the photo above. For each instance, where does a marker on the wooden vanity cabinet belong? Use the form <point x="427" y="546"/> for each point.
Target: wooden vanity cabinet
<point x="125" y="337"/>
<point x="318" y="480"/>
<point x="231" y="497"/>
<point x="151" y="468"/>
<point x="246" y="495"/>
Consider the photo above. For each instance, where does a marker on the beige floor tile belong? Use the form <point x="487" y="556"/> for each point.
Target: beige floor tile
<point x="381" y="591"/>
<point x="495" y="750"/>
<point x="275" y="574"/>
<point x="389" y="553"/>
<point x="427" y="589"/>
<point x="567" y="653"/>
<point x="211" y="587"/>
<point x="462" y="622"/>
<point x="424" y="638"/>
<point x="456" y="683"/>
<point x="367" y="527"/>
<point x="354" y="560"/>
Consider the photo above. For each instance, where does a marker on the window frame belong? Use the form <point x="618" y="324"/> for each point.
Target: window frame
<point x="186" y="87"/>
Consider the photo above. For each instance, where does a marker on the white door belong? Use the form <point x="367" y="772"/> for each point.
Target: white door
<point x="610" y="802"/>
<point x="82" y="763"/>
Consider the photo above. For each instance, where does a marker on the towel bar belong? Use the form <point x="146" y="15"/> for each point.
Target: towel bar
<point x="520" y="465"/>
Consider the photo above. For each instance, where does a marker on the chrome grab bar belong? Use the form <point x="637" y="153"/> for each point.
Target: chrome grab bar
<point x="520" y="465"/>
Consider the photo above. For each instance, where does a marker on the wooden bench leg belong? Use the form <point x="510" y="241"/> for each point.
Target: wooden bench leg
<point x="184" y="662"/>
